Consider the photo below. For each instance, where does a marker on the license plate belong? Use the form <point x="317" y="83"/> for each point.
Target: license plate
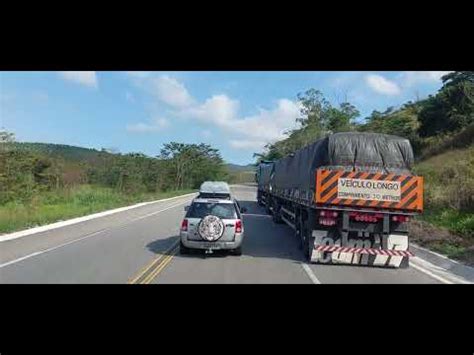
<point x="212" y="246"/>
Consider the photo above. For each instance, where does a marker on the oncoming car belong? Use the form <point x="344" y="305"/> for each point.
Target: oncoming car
<point x="212" y="224"/>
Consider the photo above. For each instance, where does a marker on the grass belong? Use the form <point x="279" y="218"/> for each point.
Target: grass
<point x="53" y="206"/>
<point x="447" y="224"/>
<point x="458" y="222"/>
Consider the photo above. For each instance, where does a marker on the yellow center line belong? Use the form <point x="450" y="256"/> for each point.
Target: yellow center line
<point x="160" y="267"/>
<point x="153" y="264"/>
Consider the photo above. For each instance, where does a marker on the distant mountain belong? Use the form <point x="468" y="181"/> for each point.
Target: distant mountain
<point x="80" y="154"/>
<point x="236" y="168"/>
<point x="67" y="152"/>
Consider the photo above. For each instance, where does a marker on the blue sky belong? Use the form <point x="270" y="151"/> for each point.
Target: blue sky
<point x="236" y="112"/>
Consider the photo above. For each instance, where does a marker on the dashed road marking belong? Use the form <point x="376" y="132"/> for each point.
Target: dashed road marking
<point x="86" y="236"/>
<point x="50" y="249"/>
<point x="310" y="273"/>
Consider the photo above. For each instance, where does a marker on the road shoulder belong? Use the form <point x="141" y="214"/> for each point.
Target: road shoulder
<point x="61" y="224"/>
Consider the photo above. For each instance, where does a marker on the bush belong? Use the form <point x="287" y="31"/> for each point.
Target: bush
<point x="438" y="144"/>
<point x="449" y="192"/>
<point x="449" y="180"/>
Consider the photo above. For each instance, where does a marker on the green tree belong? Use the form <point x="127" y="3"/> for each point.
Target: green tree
<point x="342" y="119"/>
<point x="188" y="165"/>
<point x="318" y="118"/>
<point x="6" y="137"/>
<point x="452" y="108"/>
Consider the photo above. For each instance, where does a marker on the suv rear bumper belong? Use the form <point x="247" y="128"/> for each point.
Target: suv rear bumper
<point x="217" y="245"/>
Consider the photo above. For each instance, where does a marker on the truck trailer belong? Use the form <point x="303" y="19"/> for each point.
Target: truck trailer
<point x="348" y="198"/>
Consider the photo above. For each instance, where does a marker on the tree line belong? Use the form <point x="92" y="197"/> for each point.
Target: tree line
<point x="28" y="169"/>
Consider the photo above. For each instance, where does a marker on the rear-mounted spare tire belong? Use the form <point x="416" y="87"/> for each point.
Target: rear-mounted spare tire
<point x="211" y="228"/>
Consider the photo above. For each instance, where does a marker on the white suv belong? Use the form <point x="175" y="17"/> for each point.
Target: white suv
<point x="212" y="224"/>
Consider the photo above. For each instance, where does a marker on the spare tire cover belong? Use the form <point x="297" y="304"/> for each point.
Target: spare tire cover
<point x="211" y="228"/>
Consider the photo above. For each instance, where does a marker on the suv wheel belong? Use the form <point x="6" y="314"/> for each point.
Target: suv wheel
<point x="237" y="251"/>
<point x="183" y="249"/>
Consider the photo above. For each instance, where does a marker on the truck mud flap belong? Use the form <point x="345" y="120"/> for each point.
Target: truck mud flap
<point x="359" y="251"/>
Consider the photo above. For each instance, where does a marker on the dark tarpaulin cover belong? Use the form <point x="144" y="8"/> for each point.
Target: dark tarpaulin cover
<point x="351" y="151"/>
<point x="264" y="172"/>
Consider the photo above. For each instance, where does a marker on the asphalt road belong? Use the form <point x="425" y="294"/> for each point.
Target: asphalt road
<point x="140" y="246"/>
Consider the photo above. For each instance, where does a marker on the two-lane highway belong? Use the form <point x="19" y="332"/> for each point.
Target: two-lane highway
<point x="139" y="246"/>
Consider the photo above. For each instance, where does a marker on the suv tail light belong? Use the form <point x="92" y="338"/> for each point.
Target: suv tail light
<point x="184" y="225"/>
<point x="238" y="226"/>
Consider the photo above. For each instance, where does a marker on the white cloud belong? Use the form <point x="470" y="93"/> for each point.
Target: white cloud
<point x="87" y="78"/>
<point x="266" y="126"/>
<point x="256" y="145"/>
<point x="269" y="125"/>
<point x="410" y="78"/>
<point x="154" y="125"/>
<point x="380" y="84"/>
<point x="221" y="112"/>
<point x="172" y="92"/>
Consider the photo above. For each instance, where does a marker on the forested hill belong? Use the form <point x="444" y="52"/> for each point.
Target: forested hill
<point x="66" y="152"/>
<point x="235" y="167"/>
<point x="84" y="155"/>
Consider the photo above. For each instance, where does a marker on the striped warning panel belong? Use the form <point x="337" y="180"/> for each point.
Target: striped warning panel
<point x="375" y="190"/>
<point x="371" y="251"/>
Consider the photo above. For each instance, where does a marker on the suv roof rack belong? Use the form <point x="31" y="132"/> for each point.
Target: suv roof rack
<point x="220" y="187"/>
<point x="219" y="196"/>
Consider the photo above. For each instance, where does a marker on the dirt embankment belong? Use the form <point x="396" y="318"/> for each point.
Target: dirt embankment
<point x="442" y="240"/>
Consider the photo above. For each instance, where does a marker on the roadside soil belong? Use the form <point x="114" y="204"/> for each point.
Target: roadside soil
<point x="442" y="241"/>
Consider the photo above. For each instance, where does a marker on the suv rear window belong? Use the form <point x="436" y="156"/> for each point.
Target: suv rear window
<point x="221" y="210"/>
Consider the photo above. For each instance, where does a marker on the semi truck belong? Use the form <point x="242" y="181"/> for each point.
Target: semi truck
<point x="348" y="198"/>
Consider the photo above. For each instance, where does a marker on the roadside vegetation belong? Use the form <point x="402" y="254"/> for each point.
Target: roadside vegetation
<point x="441" y="130"/>
<point x="62" y="204"/>
<point x="44" y="183"/>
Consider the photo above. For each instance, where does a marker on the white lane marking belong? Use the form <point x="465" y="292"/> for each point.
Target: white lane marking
<point x="164" y="209"/>
<point x="416" y="246"/>
<point x="429" y="273"/>
<point x="84" y="237"/>
<point x="434" y="271"/>
<point x="310" y="273"/>
<point x="60" y="224"/>
<point x="50" y="249"/>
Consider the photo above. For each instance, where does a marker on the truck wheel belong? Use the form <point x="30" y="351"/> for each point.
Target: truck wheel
<point x="267" y="207"/>
<point x="298" y="232"/>
<point x="297" y="235"/>
<point x="276" y="216"/>
<point x="307" y="243"/>
<point x="182" y="249"/>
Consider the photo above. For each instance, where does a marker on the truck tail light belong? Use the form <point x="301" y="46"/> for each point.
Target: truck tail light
<point x="238" y="226"/>
<point x="400" y="218"/>
<point x="330" y="214"/>
<point x="365" y="217"/>
<point x="184" y="225"/>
